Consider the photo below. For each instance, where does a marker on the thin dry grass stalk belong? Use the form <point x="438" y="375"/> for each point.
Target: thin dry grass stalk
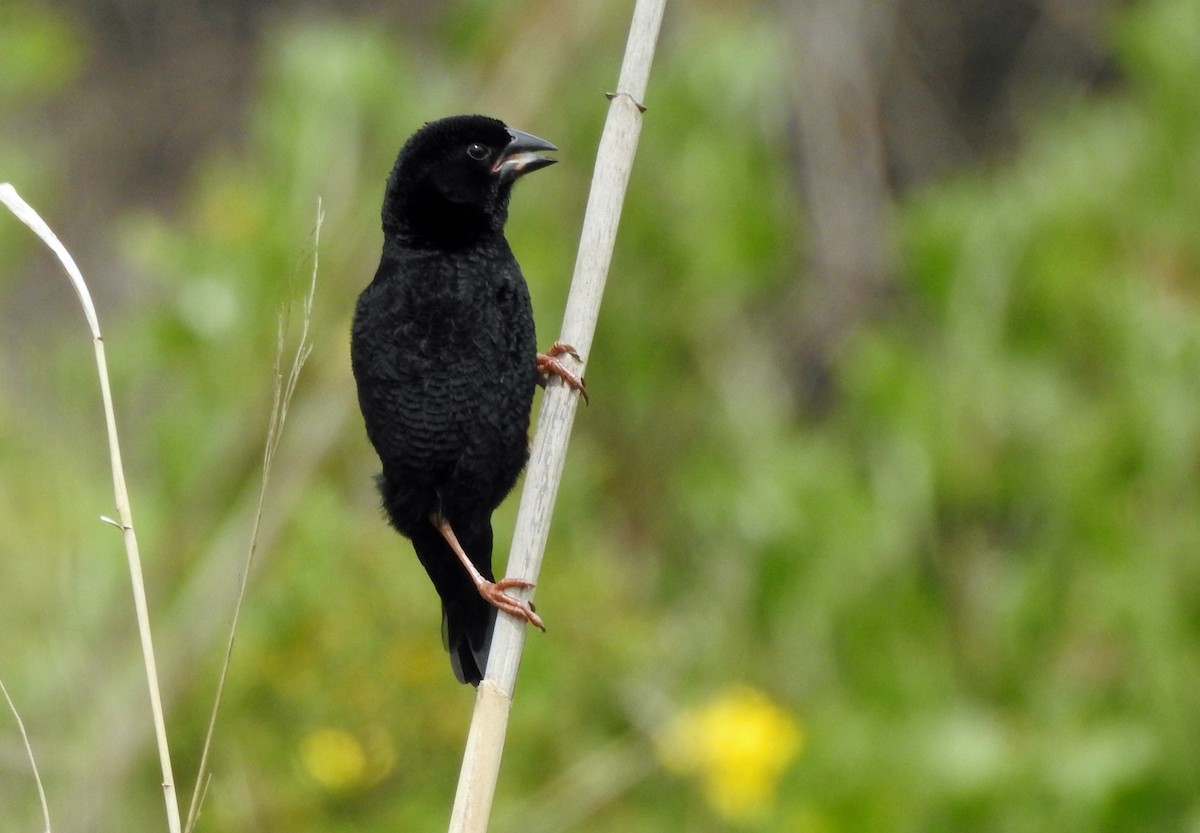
<point x="37" y="778"/>
<point x="614" y="161"/>
<point x="26" y="214"/>
<point x="284" y="389"/>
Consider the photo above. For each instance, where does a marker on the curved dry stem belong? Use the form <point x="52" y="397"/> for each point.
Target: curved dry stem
<point x="37" y="778"/>
<point x="26" y="214"/>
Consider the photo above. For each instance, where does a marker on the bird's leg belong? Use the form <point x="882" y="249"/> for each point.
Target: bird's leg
<point x="548" y="365"/>
<point x="492" y="591"/>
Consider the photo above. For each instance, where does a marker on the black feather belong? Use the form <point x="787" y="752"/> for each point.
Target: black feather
<point x="445" y="359"/>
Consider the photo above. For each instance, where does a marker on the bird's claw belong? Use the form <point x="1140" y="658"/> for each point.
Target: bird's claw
<point x="548" y="365"/>
<point x="493" y="593"/>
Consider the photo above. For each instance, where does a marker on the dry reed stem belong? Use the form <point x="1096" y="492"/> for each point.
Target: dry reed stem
<point x="614" y="161"/>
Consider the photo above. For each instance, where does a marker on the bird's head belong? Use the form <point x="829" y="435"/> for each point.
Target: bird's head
<point x="453" y="178"/>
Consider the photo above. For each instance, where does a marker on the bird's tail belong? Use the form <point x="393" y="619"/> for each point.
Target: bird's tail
<point x="467" y="618"/>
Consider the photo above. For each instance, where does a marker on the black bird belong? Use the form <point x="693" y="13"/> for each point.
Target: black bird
<point x="444" y="355"/>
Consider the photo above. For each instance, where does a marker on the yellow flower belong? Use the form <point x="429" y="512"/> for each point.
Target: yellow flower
<point x="738" y="745"/>
<point x="334" y="758"/>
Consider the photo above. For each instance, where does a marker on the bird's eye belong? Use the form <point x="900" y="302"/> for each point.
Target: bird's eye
<point x="477" y="152"/>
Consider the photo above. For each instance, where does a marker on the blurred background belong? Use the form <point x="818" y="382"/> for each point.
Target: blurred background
<point x="885" y="515"/>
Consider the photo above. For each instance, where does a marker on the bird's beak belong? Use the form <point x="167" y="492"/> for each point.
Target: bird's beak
<point x="521" y="156"/>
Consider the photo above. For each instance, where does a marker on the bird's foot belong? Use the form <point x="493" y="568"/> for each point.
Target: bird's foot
<point x="548" y="365"/>
<point x="493" y="593"/>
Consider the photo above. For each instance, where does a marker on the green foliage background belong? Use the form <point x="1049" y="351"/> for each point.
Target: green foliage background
<point x="973" y="583"/>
